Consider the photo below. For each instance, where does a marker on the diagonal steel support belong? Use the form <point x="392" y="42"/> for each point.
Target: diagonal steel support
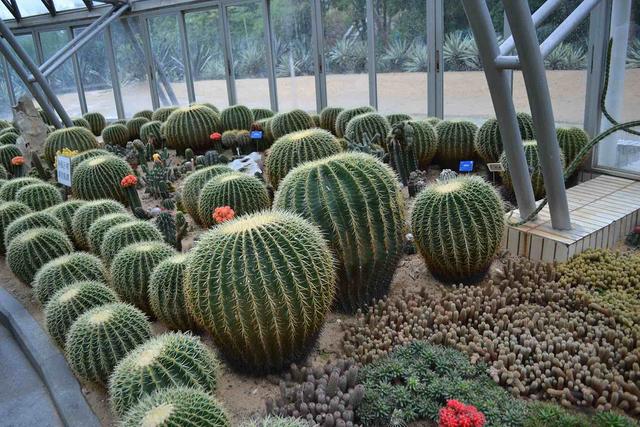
<point x="13" y="9"/>
<point x="50" y="7"/>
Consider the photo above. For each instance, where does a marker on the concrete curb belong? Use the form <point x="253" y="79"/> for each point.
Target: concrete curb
<point x="48" y="362"/>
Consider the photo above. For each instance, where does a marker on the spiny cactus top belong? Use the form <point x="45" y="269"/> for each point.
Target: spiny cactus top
<point x="9" y="189"/>
<point x="397" y="118"/>
<point x="208" y="105"/>
<point x="367" y="126"/>
<point x="99" y="178"/>
<point x="124" y="234"/>
<point x="292" y="121"/>
<point x="525" y="122"/>
<point x="193" y="185"/>
<point x="28" y="222"/>
<point x="8" y="138"/>
<point x="261" y="113"/>
<point x="97" y="122"/>
<point x="39" y="196"/>
<point x="262" y="285"/>
<point x="134" y="125"/>
<point x="166" y="293"/>
<point x="87" y="214"/>
<point x="80" y="121"/>
<point x="102" y="225"/>
<point x="236" y="117"/>
<point x="571" y="141"/>
<point x="147" y="114"/>
<point x="151" y="130"/>
<point x="346" y="115"/>
<point x="64" y="212"/>
<point x="488" y="141"/>
<point x="191" y="127"/>
<point x="163" y="113"/>
<point x="74" y="138"/>
<point x="328" y="117"/>
<point x="89" y="154"/>
<point x="9" y="212"/>
<point x="116" y="134"/>
<point x="455" y="142"/>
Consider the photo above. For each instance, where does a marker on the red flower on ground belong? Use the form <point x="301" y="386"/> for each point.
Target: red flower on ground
<point x="129" y="181"/>
<point x="17" y="161"/>
<point x="222" y="214"/>
<point x="457" y="414"/>
<point x="216" y="136"/>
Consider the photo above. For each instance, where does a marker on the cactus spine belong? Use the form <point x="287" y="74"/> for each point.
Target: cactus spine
<point x="134" y="125"/>
<point x="125" y="234"/>
<point x="9" y="138"/>
<point x="99" y="178"/>
<point x="147" y="114"/>
<point x="39" y="196"/>
<point x="116" y="134"/>
<point x="525" y="123"/>
<point x="101" y="226"/>
<point x="295" y="120"/>
<point x="9" y="212"/>
<point x="455" y="142"/>
<point x="261" y="113"/>
<point x="97" y="122"/>
<point x="87" y="214"/>
<point x="367" y="125"/>
<point x="571" y="141"/>
<point x="191" y="127"/>
<point x="345" y="116"/>
<point x="328" y="117"/>
<point x="64" y="212"/>
<point x="236" y="117"/>
<point x="396" y="118"/>
<point x="29" y="222"/>
<point x="166" y="293"/>
<point x="74" y="138"/>
<point x="150" y="131"/>
<point x="193" y="185"/>
<point x="89" y="154"/>
<point x="402" y="152"/>
<point x="163" y="113"/>
<point x="9" y="189"/>
<point x="488" y="142"/>
<point x="81" y="122"/>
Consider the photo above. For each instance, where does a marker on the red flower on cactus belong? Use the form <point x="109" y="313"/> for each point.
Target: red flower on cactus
<point x="129" y="181"/>
<point x="457" y="414"/>
<point x="222" y="214"/>
<point x="17" y="161"/>
<point x="216" y="136"/>
<point x="636" y="229"/>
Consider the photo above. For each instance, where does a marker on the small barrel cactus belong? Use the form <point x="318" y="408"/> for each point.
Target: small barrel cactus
<point x="261" y="113"/>
<point x="127" y="233"/>
<point x="99" y="178"/>
<point x="32" y="249"/>
<point x="396" y="118"/>
<point x="236" y="117"/>
<point x="64" y="270"/>
<point x="132" y="267"/>
<point x="97" y="122"/>
<point x="455" y="142"/>
<point x="81" y="122"/>
<point x="163" y="113"/>
<point x="147" y="114"/>
<point x="283" y="266"/>
<point x="116" y="134"/>
<point x="28" y="222"/>
<point x="193" y="185"/>
<point x="345" y="116"/>
<point x="39" y="196"/>
<point x="9" y="212"/>
<point x="74" y="138"/>
<point x="328" y="117"/>
<point x="68" y="303"/>
<point x="87" y="214"/>
<point x="134" y="125"/>
<point x="166" y="293"/>
<point x="292" y="121"/>
<point x="357" y="203"/>
<point x="64" y="212"/>
<point x="425" y="140"/>
<point x="191" y="127"/>
<point x="7" y="153"/>
<point x="8" y="138"/>
<point x="571" y="141"/>
<point x="169" y="360"/>
<point x="151" y="131"/>
<point x="101" y="226"/>
<point x="9" y="189"/>
<point x="103" y="336"/>
<point x="488" y="142"/>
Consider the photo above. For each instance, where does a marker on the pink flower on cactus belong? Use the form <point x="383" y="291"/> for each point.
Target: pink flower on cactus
<point x="216" y="136"/>
<point x="223" y="213"/>
<point x="129" y="181"/>
<point x="457" y="414"/>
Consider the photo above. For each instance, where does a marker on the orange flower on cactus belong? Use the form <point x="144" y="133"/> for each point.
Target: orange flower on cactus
<point x="129" y="181"/>
<point x="216" y="136"/>
<point x="457" y="414"/>
<point x="17" y="161"/>
<point x="222" y="214"/>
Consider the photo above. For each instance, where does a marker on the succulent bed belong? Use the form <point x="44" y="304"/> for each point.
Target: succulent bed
<point x="180" y="289"/>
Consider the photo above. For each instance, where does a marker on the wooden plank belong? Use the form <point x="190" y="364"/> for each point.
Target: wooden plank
<point x="548" y="250"/>
<point x="535" y="251"/>
<point x="562" y="253"/>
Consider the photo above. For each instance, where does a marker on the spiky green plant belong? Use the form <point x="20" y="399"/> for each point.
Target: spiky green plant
<point x="10" y="129"/>
<point x="345" y="116"/>
<point x="488" y="142"/>
<point x="4" y="124"/>
<point x="169" y="360"/>
<point x="9" y="212"/>
<point x="116" y="134"/>
<point x="296" y="148"/>
<point x="151" y="130"/>
<point x="147" y="114"/>
<point x="176" y="407"/>
<point x="455" y="142"/>
<point x="9" y="189"/>
<point x="132" y="267"/>
<point x="81" y="122"/>
<point x="9" y="138"/>
<point x="357" y="203"/>
<point x="292" y="121"/>
<point x="166" y="293"/>
<point x="101" y="226"/>
<point x="97" y="122"/>
<point x="4" y="175"/>
<point x="275" y="421"/>
<point x="134" y="125"/>
<point x="316" y="120"/>
<point x="191" y="127"/>
<point x="163" y="113"/>
<point x="367" y="125"/>
<point x="64" y="212"/>
<point x="571" y="141"/>
<point x="397" y="118"/>
<point x="236" y="117"/>
<point x="28" y="222"/>
<point x="64" y="270"/>
<point x="68" y="303"/>
<point x="125" y="234"/>
<point x="278" y="262"/>
<point x="193" y="185"/>
<point x="74" y="138"/>
<point x="30" y="250"/>
<point x="525" y="123"/>
<point x="261" y="113"/>
<point x="208" y="105"/>
<point x="425" y="142"/>
<point x="433" y="121"/>
<point x="99" y="178"/>
<point x="89" y="154"/>
<point x="8" y="152"/>
<point x="328" y="117"/>
<point x="87" y="214"/>
<point x="458" y="224"/>
<point x="103" y="336"/>
<point x="39" y="196"/>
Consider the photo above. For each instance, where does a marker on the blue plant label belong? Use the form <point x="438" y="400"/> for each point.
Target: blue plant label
<point x="63" y="170"/>
<point x="466" y="166"/>
<point x="256" y="134"/>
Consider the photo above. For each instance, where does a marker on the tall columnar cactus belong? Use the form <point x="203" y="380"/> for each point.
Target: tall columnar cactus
<point x="243" y="193"/>
<point x="236" y="117"/>
<point x="74" y="138"/>
<point x="282" y="266"/>
<point x="458" y="224"/>
<point x="32" y="249"/>
<point x="9" y="212"/>
<point x="103" y="336"/>
<point x="101" y="226"/>
<point x="28" y="222"/>
<point x="525" y="123"/>
<point x="99" y="178"/>
<point x="173" y="227"/>
<point x="65" y="270"/>
<point x="68" y="303"/>
<point x="356" y="201"/>
<point x="125" y="234"/>
<point x="193" y="186"/>
<point x="9" y="138"/>
<point x="455" y="142"/>
<point x="97" y="122"/>
<point x="292" y="121"/>
<point x="89" y="154"/>
<point x="163" y="113"/>
<point x="39" y="196"/>
<point x="488" y="142"/>
<point x="166" y="293"/>
<point x="147" y="114"/>
<point x="328" y="117"/>
<point x="396" y="118"/>
<point x="296" y="148"/>
<point x="150" y="131"/>
<point x="116" y="134"/>
<point x="369" y="124"/>
<point x="87" y="214"/>
<point x="571" y="141"/>
<point x="191" y="127"/>
<point x="261" y="113"/>
<point x="167" y="361"/>
<point x="345" y="116"/>
<point x="9" y="189"/>
<point x="64" y="212"/>
<point x="134" y="125"/>
<point x="132" y="267"/>
<point x="8" y="152"/>
<point x="80" y="121"/>
<point x="176" y="407"/>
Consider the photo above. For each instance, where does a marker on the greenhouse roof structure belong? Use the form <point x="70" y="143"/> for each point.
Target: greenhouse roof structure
<point x="17" y="10"/>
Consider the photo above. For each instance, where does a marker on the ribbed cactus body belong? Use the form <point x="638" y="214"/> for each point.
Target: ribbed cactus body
<point x="39" y="196"/>
<point x="488" y="141"/>
<point x="132" y="267"/>
<point x="9" y="212"/>
<point x="169" y="360"/>
<point x="32" y="249"/>
<point x="8" y="152"/>
<point x="147" y="114"/>
<point x="458" y="225"/>
<point x="571" y="141"/>
<point x="74" y="138"/>
<point x="177" y="407"/>
<point x="99" y="178"/>
<point x="103" y="336"/>
<point x="65" y="270"/>
<point x="29" y="222"/>
<point x="236" y="117"/>
<point x="316" y="120"/>
<point x="209" y="105"/>
<point x="525" y="123"/>
<point x="9" y="189"/>
<point x="163" y="113"/>
<point x="9" y="138"/>
<point x="166" y="293"/>
<point x="261" y="113"/>
<point x="4" y="175"/>
<point x="116" y="134"/>
<point x="193" y="185"/>
<point x="10" y="129"/>
<point x="4" y="124"/>
<point x="345" y="116"/>
<point x="261" y="285"/>
<point x="296" y="148"/>
<point x="191" y="127"/>
<point x="134" y="125"/>
<point x="292" y="121"/>
<point x="425" y="140"/>
<point x="101" y="226"/>
<point x="328" y="117"/>
<point x="64" y="212"/>
<point x="357" y="203"/>
<point x="89" y="154"/>
<point x="87" y="214"/>
<point x="125" y="234"/>
<point x="97" y="122"/>
<point x="397" y="118"/>
<point x="365" y="127"/>
<point x="455" y="142"/>
<point x="81" y="122"/>
<point x="151" y="131"/>
<point x="68" y="303"/>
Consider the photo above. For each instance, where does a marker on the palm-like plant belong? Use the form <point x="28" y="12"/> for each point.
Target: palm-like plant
<point x="395" y="54"/>
<point x="417" y="58"/>
<point x="251" y="60"/>
<point x="455" y="51"/>
<point x="348" y="55"/>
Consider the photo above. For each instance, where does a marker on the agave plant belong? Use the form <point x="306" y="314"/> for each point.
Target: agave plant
<point x="417" y="58"/>
<point x="294" y="58"/>
<point x="252" y="59"/>
<point x="349" y="55"/>
<point x="566" y="57"/>
<point x="633" y="54"/>
<point x="395" y="54"/>
<point x="455" y="51"/>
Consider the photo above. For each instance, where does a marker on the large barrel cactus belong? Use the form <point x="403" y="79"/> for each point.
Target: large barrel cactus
<point x="458" y="224"/>
<point x="134" y="125"/>
<point x="9" y="212"/>
<point x="328" y="117"/>
<point x="99" y="178"/>
<point x="396" y="118"/>
<point x="166" y="293"/>
<point x="132" y="267"/>
<point x="9" y="189"/>
<point x="87" y="214"/>
<point x="8" y="138"/>
<point x="296" y="148"/>
<point x="274" y="271"/>
<point x="166" y="361"/>
<point x="64" y="212"/>
<point x="571" y="141"/>
<point x="191" y="127"/>
<point x="345" y="116"/>
<point x="74" y="138"/>
<point x="236" y="117"/>
<point x="193" y="185"/>
<point x="455" y="142"/>
<point x="295" y="120"/>
<point x="367" y="126"/>
<point x="102" y="225"/>
<point x="29" y="222"/>
<point x="150" y="131"/>
<point x="116" y="134"/>
<point x="488" y="142"/>
<point x="97" y="122"/>
<point x="103" y="336"/>
<point x="243" y="193"/>
<point x="163" y="113"/>
<point x="39" y="196"/>
<point x="261" y="113"/>
<point x="357" y="203"/>
<point x="125" y="234"/>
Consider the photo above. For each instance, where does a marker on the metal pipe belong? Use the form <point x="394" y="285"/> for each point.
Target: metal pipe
<point x="186" y="57"/>
<point x="115" y="79"/>
<point x="570" y="23"/>
<point x="534" y="73"/>
<point x="539" y="16"/>
<point x="271" y="71"/>
<point x="500" y="90"/>
<point x="371" y="49"/>
<point x="317" y="63"/>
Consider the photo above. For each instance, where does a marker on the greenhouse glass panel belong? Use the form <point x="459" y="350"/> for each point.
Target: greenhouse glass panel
<point x="62" y="5"/>
<point x="5" y="103"/>
<point x="293" y="52"/>
<point x="26" y="41"/>
<point x="31" y="8"/>
<point x="207" y="57"/>
<point x="62" y="80"/>
<point x="4" y="13"/>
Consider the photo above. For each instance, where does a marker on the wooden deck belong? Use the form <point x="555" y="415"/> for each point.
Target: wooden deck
<point x="603" y="211"/>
